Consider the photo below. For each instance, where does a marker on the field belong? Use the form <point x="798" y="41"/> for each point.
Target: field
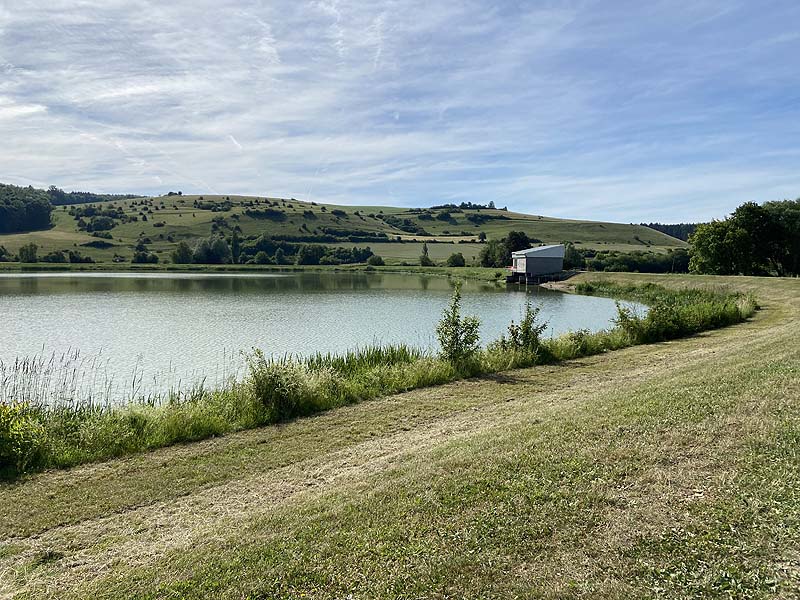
<point x="171" y="219"/>
<point x="669" y="470"/>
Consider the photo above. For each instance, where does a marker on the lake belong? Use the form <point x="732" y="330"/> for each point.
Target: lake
<point x="152" y="332"/>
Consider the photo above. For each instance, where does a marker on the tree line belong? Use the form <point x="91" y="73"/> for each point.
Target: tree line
<point x="262" y="250"/>
<point x="59" y="197"/>
<point x="681" y="231"/>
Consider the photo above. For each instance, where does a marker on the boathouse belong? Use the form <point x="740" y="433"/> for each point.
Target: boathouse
<point x="534" y="265"/>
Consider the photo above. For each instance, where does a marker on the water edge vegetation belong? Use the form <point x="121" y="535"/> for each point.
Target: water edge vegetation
<point x="38" y="434"/>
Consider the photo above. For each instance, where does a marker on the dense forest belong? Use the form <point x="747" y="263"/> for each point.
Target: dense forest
<point x="682" y="231"/>
<point x="754" y="240"/>
<point x="23" y="209"/>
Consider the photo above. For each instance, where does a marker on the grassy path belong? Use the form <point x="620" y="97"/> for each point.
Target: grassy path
<point x="670" y="470"/>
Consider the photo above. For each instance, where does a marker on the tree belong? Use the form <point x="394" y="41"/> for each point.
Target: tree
<point x="497" y="253"/>
<point x="212" y="251"/>
<point x="424" y="259"/>
<point x="28" y="253"/>
<point x="573" y="259"/>
<point x="280" y="256"/>
<point x="458" y="336"/>
<point x="375" y="261"/>
<point x="456" y="259"/>
<point x="721" y="248"/>
<point x="310" y="254"/>
<point x="141" y="254"/>
<point x="236" y="246"/>
<point x="515" y="241"/>
<point x="482" y="236"/>
<point x="493" y="254"/>
<point x="182" y="255"/>
<point x="786" y="216"/>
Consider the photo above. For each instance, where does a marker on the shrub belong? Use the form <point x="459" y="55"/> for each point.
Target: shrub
<point x="22" y="438"/>
<point x="375" y="261"/>
<point x="425" y="261"/>
<point x="262" y="258"/>
<point x="28" y="253"/>
<point x="525" y="337"/>
<point x="458" y="336"/>
<point x="456" y="259"/>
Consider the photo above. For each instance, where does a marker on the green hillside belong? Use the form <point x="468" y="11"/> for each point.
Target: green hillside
<point x="112" y="229"/>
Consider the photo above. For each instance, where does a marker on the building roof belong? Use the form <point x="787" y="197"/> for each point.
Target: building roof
<point x="552" y="251"/>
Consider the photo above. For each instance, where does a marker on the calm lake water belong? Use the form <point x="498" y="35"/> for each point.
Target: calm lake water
<point x="161" y="331"/>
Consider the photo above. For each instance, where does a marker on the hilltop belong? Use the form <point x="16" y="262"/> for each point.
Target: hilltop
<point x="112" y="228"/>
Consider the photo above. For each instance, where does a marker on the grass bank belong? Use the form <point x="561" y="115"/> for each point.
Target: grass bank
<point x="665" y="470"/>
<point x="36" y="435"/>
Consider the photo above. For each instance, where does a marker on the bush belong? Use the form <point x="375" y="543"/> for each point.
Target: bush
<point x="28" y="253"/>
<point x="527" y="336"/>
<point x="375" y="261"/>
<point x="262" y="258"/>
<point x="458" y="336"/>
<point x="425" y="261"/>
<point x="456" y="259"/>
<point x="22" y="439"/>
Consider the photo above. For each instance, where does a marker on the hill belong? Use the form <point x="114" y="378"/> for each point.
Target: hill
<point x="105" y="230"/>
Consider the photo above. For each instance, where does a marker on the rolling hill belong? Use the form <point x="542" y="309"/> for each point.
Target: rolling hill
<point x="106" y="230"/>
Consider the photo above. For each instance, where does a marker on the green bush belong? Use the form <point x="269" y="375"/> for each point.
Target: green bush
<point x="525" y="337"/>
<point x="458" y="336"/>
<point x="22" y="439"/>
<point x="375" y="261"/>
<point x="456" y="259"/>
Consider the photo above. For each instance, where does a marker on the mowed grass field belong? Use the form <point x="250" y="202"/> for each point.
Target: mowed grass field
<point x="663" y="471"/>
<point x="174" y="218"/>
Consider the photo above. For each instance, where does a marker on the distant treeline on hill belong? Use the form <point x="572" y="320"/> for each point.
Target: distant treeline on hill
<point x="59" y="197"/>
<point x="682" y="231"/>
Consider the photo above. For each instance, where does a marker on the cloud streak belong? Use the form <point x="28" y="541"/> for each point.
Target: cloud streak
<point x="623" y="111"/>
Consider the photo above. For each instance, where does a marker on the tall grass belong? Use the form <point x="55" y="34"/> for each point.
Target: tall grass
<point x="37" y="433"/>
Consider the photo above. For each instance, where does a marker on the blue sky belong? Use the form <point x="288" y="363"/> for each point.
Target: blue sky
<point x="614" y="110"/>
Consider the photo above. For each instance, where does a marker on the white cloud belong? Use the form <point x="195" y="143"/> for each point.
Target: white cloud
<point x="577" y="109"/>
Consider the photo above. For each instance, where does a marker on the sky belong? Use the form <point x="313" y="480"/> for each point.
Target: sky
<point x="612" y="110"/>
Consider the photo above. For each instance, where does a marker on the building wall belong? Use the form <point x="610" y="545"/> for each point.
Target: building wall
<point x="543" y="265"/>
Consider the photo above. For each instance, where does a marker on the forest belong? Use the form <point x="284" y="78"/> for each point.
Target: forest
<point x="23" y="209"/>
